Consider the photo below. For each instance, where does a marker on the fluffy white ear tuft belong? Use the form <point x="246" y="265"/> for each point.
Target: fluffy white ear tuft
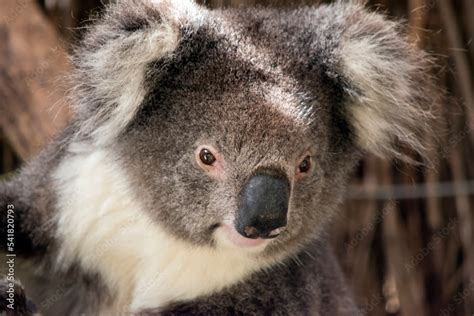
<point x="392" y="97"/>
<point x="110" y="64"/>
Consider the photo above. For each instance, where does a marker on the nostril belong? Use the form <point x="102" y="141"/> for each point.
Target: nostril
<point x="276" y="232"/>
<point x="251" y="232"/>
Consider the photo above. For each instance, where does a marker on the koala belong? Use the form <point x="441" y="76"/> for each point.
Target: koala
<point x="207" y="157"/>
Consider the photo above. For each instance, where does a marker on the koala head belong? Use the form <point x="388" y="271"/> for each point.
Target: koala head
<point x="239" y="128"/>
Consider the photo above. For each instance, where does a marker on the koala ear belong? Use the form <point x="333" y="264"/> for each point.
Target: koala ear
<point x="111" y="61"/>
<point x="390" y="95"/>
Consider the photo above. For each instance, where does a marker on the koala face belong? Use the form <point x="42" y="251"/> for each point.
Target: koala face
<point x="208" y="181"/>
<point x="239" y="129"/>
<point x="230" y="154"/>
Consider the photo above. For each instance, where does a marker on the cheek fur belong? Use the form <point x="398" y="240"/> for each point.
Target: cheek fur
<point x="113" y="220"/>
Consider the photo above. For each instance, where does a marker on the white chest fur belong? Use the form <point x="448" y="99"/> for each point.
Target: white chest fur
<point x="104" y="228"/>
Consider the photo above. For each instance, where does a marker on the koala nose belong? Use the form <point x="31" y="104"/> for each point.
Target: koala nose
<point x="264" y="205"/>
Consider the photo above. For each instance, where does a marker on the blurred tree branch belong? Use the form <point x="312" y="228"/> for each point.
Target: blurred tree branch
<point x="31" y="61"/>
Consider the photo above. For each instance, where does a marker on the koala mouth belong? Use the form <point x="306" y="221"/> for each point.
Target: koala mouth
<point x="238" y="240"/>
<point x="228" y="235"/>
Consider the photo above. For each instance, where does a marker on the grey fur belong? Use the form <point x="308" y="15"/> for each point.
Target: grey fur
<point x="263" y="86"/>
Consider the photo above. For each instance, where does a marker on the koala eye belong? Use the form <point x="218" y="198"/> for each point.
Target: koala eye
<point x="206" y="157"/>
<point x="211" y="161"/>
<point x="305" y="165"/>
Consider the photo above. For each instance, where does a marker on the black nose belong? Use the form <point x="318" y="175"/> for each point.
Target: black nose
<point x="264" y="205"/>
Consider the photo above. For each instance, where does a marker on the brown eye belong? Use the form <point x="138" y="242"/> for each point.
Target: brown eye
<point x="305" y="165"/>
<point x="206" y="157"/>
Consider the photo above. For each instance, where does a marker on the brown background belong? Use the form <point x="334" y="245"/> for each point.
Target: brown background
<point x="405" y="238"/>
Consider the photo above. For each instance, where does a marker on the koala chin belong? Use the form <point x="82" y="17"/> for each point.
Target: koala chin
<point x="207" y="157"/>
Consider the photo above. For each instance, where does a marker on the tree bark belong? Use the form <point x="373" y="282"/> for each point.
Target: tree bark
<point x="32" y="63"/>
